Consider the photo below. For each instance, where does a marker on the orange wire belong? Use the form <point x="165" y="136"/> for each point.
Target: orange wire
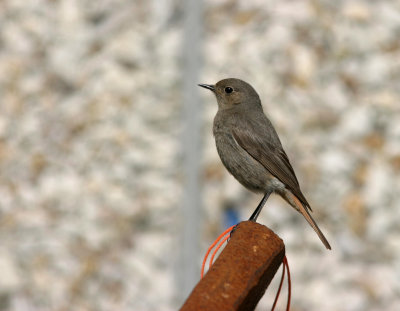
<point x="216" y="250"/>
<point x="211" y="247"/>
<point x="285" y="261"/>
<point x="280" y="285"/>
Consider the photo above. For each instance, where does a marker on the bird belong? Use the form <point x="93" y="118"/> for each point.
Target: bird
<point x="250" y="149"/>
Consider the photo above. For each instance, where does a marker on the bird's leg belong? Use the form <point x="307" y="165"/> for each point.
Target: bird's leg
<point x="257" y="211"/>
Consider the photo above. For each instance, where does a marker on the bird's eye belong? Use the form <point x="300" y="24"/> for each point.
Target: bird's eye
<point x="228" y="90"/>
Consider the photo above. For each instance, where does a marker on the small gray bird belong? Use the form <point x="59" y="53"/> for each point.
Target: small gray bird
<point x="250" y="149"/>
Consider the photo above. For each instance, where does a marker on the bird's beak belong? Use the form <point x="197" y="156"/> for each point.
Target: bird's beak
<point x="208" y="86"/>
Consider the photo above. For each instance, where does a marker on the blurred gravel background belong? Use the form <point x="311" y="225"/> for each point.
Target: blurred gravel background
<point x="91" y="147"/>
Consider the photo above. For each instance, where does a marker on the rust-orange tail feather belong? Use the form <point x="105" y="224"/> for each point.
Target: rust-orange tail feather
<point x="304" y="211"/>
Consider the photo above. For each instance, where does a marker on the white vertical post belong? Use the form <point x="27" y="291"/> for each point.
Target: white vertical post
<point x="191" y="209"/>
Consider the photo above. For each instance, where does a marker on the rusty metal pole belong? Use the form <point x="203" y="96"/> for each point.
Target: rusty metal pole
<point x="241" y="274"/>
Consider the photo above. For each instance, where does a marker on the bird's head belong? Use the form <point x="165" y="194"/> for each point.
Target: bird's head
<point x="233" y="93"/>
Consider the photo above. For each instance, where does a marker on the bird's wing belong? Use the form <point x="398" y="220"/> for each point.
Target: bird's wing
<point x="273" y="158"/>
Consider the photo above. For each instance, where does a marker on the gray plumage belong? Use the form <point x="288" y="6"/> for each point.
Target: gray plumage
<point x="250" y="149"/>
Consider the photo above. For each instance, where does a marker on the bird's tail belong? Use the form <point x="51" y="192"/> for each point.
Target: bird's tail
<point x="295" y="202"/>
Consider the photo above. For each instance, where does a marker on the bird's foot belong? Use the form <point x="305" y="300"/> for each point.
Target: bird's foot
<point x="232" y="231"/>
